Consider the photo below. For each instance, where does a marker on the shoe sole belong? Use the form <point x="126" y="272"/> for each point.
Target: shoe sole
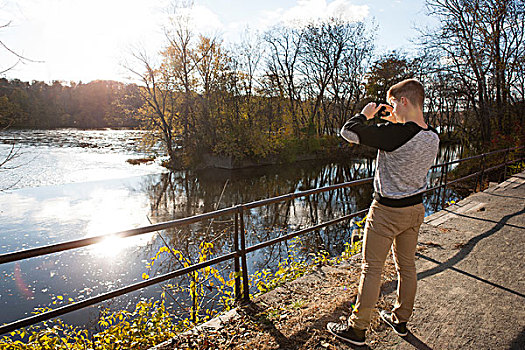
<point x="354" y="342"/>
<point x="392" y="326"/>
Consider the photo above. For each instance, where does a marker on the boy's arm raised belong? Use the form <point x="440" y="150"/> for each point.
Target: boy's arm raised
<point x="387" y="137"/>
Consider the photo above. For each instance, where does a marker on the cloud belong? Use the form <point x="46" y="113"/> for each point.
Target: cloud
<point x="315" y="10"/>
<point x="201" y="18"/>
<point x="305" y="11"/>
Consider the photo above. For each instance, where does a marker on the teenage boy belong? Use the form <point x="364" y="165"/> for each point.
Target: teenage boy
<point x="407" y="148"/>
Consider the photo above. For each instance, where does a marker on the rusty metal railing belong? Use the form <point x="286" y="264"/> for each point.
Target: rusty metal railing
<point x="240" y="249"/>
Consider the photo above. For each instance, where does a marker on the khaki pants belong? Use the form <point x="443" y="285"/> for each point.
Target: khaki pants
<point x="386" y="228"/>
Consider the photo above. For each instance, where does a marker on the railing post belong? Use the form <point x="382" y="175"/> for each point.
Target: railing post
<point x="194" y="301"/>
<point x="245" y="284"/>
<point x="236" y="261"/>
<point x="482" y="173"/>
<point x="439" y="187"/>
<point x="479" y="178"/>
<point x="505" y="161"/>
<point x="444" y="187"/>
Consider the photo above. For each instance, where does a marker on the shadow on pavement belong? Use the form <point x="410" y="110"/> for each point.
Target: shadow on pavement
<point x="472" y="276"/>
<point x="519" y="342"/>
<point x="502" y="195"/>
<point x="466" y="249"/>
<point x="460" y="255"/>
<point x="487" y="220"/>
<point x="416" y="342"/>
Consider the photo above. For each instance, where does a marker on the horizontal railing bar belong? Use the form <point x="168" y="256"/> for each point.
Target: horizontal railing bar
<point x="55" y="248"/>
<point x="457" y="161"/>
<point x="476" y="157"/>
<point x="503" y="150"/>
<point x="479" y="172"/>
<point x="470" y="175"/>
<point x="503" y="164"/>
<point x="463" y="178"/>
<point x="303" y="231"/>
<point x="110" y="295"/>
<point x="294" y="195"/>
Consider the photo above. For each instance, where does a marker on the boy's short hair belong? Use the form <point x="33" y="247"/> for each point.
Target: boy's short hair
<point x="412" y="89"/>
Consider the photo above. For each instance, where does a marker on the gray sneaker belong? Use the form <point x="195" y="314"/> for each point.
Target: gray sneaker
<point x="345" y="332"/>
<point x="399" y="328"/>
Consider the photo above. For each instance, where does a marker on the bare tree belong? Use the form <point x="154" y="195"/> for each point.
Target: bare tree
<point x="178" y="64"/>
<point x="481" y="46"/>
<point x="333" y="59"/>
<point x="248" y="55"/>
<point x="347" y="87"/>
<point x="324" y="46"/>
<point x="13" y="152"/>
<point x="285" y="45"/>
<point x="160" y="101"/>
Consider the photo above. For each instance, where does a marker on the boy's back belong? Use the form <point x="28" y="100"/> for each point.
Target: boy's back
<point x="405" y="153"/>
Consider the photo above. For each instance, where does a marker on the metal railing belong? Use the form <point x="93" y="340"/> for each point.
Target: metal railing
<point x="239" y="239"/>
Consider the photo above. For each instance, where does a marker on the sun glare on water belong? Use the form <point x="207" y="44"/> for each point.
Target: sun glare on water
<point x="110" y="247"/>
<point x="114" y="214"/>
<point x="113" y="246"/>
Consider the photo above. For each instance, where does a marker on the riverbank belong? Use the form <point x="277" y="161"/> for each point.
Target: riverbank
<point x="333" y="150"/>
<point x="470" y="265"/>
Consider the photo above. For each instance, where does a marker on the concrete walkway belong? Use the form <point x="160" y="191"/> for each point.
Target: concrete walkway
<point x="471" y="289"/>
<point x="471" y="272"/>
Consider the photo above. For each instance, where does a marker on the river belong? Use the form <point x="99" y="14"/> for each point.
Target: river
<point x="71" y="184"/>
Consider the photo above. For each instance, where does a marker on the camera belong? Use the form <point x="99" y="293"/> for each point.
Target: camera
<point x="382" y="112"/>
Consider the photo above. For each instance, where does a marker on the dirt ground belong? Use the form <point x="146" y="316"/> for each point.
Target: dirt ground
<point x="471" y="289"/>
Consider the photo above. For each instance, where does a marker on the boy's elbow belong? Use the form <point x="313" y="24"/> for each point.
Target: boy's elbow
<point x="349" y="136"/>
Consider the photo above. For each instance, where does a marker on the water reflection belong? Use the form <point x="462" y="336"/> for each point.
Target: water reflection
<point x="179" y="195"/>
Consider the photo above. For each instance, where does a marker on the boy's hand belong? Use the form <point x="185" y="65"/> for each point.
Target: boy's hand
<point x="390" y="117"/>
<point x="370" y="110"/>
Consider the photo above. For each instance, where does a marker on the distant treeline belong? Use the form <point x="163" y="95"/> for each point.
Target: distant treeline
<point x="98" y="104"/>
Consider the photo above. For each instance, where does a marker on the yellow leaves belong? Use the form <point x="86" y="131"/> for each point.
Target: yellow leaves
<point x="145" y="276"/>
<point x="206" y="245"/>
<point x="220" y="278"/>
<point x="361" y="223"/>
<point x="59" y="297"/>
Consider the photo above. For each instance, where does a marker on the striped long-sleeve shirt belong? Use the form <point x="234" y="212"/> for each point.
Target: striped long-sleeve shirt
<point x="406" y="151"/>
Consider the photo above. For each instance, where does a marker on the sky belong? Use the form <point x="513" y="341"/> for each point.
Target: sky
<point x="85" y="40"/>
